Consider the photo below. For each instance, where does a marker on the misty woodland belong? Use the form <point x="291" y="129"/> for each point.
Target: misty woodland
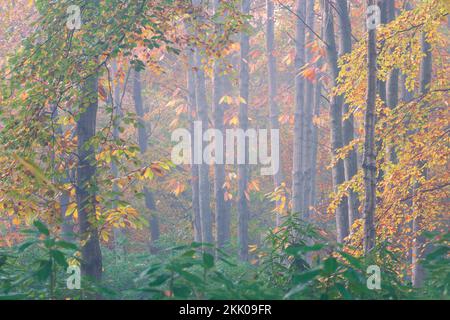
<point x="212" y="149"/>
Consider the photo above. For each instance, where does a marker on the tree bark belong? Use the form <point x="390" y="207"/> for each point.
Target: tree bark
<point x="298" y="194"/>
<point x="143" y="145"/>
<point x="338" y="171"/>
<point x="308" y="119"/>
<point x="91" y="265"/>
<point x="272" y="79"/>
<point x="351" y="161"/>
<point x="243" y="170"/>
<point x="196" y="220"/>
<point x="419" y="246"/>
<point x="204" y="185"/>
<point x="222" y="213"/>
<point x="369" y="156"/>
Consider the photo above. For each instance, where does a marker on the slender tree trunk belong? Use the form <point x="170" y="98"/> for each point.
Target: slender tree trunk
<point x="243" y="170"/>
<point x="272" y="79"/>
<point x="392" y="83"/>
<point x="194" y="167"/>
<point x="308" y="119"/>
<point x="382" y="90"/>
<point x="297" y="165"/>
<point x="338" y="171"/>
<point x="143" y="145"/>
<point x="221" y="209"/>
<point x="117" y="114"/>
<point x="204" y="185"/>
<point x="91" y="265"/>
<point x="315" y="137"/>
<point x="369" y="157"/>
<point x="419" y="247"/>
<point x="351" y="161"/>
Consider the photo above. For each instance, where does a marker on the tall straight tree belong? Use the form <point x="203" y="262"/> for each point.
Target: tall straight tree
<point x="419" y="249"/>
<point x="222" y="213"/>
<point x="308" y="117"/>
<point x="196" y="219"/>
<point x="298" y="194"/>
<point x="392" y="82"/>
<point x="91" y="263"/>
<point x="338" y="171"/>
<point x="143" y="145"/>
<point x="369" y="156"/>
<point x="115" y="102"/>
<point x="351" y="161"/>
<point x="202" y="112"/>
<point x="272" y="79"/>
<point x="243" y="170"/>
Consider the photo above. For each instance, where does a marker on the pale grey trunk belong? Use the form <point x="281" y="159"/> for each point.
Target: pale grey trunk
<point x="222" y="214"/>
<point x="369" y="156"/>
<point x="116" y="123"/>
<point x="204" y="185"/>
<point x="315" y="145"/>
<point x="272" y="79"/>
<point x="351" y="161"/>
<point x="308" y="120"/>
<point x="196" y="220"/>
<point x="243" y="170"/>
<point x="298" y="194"/>
<point x="392" y="83"/>
<point x="419" y="247"/>
<point x="143" y="145"/>
<point x="338" y="171"/>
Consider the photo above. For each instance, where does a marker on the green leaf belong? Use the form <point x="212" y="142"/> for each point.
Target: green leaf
<point x="66" y="245"/>
<point x="330" y="265"/>
<point x="59" y="258"/>
<point x="41" y="227"/>
<point x="159" y="280"/>
<point x="25" y="245"/>
<point x="208" y="260"/>
<point x="352" y="260"/>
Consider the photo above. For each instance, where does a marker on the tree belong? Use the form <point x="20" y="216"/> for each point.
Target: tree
<point x="196" y="218"/>
<point x="419" y="247"/>
<point x="143" y="145"/>
<point x="351" y="161"/>
<point x="272" y="80"/>
<point x="298" y="190"/>
<point x="369" y="156"/>
<point x="338" y="171"/>
<point x="222" y="213"/>
<point x="91" y="254"/>
<point x="243" y="170"/>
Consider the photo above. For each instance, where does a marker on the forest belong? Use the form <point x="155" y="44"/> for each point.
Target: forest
<point x="224" y="150"/>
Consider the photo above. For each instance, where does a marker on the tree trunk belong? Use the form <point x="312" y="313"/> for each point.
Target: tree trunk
<point x="117" y="114"/>
<point x="272" y="79"/>
<point x="338" y="171"/>
<point x="369" y="156"/>
<point x="315" y="137"/>
<point x="351" y="161"/>
<point x="143" y="145"/>
<point x="204" y="185"/>
<point x="222" y="213"/>
<point x="91" y="265"/>
<point x="297" y="164"/>
<point x="196" y="220"/>
<point x="308" y="119"/>
<point x="243" y="170"/>
<point x="419" y="247"/>
<point x="392" y="83"/>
